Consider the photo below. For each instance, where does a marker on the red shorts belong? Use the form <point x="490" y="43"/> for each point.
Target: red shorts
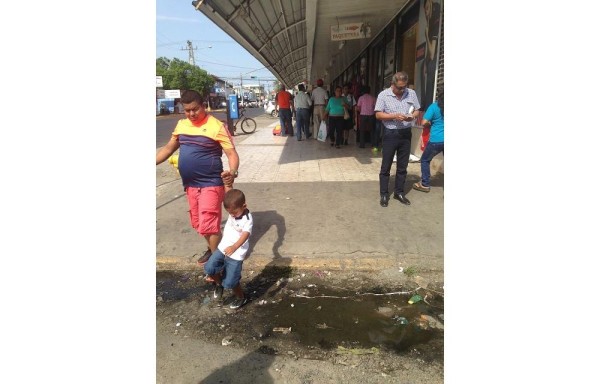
<point x="205" y="208"/>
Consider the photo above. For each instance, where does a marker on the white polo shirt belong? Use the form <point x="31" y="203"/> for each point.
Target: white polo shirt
<point x="231" y="233"/>
<point x="319" y="96"/>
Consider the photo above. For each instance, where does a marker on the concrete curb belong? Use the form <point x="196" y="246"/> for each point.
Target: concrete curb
<point x="325" y="261"/>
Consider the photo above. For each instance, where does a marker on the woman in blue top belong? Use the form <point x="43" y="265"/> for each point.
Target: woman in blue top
<point x="335" y="112"/>
<point x="434" y="117"/>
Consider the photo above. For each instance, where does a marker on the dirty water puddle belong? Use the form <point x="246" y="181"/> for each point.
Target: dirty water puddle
<point x="307" y="317"/>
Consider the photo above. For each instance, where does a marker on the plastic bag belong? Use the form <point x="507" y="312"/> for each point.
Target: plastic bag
<point x="322" y="134"/>
<point x="346" y="114"/>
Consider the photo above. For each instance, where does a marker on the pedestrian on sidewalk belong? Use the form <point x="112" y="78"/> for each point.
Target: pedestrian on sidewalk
<point x="351" y="101"/>
<point x="319" y="99"/>
<point x="284" y="103"/>
<point x="334" y="113"/>
<point x="434" y="118"/>
<point x="302" y="103"/>
<point x="225" y="264"/>
<point x="366" y="108"/>
<point x="201" y="140"/>
<point x="396" y="107"/>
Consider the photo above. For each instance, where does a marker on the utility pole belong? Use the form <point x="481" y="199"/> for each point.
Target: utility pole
<point x="190" y="50"/>
<point x="241" y="89"/>
<point x="260" y="90"/>
<point x="191" y="55"/>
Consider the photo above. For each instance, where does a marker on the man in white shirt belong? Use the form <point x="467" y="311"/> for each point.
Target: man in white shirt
<point x="302" y="103"/>
<point x="396" y="107"/>
<point x="319" y="100"/>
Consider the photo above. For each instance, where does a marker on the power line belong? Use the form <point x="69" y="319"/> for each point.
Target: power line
<point x="249" y="78"/>
<point x="225" y="65"/>
<point x="194" y="41"/>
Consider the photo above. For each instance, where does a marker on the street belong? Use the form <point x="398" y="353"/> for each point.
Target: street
<point x="166" y="123"/>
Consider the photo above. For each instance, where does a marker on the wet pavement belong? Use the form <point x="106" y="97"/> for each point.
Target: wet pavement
<point x="308" y="314"/>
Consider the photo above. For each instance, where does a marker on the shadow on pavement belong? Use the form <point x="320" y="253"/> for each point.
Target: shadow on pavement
<point x="252" y="368"/>
<point x="263" y="221"/>
<point x="278" y="267"/>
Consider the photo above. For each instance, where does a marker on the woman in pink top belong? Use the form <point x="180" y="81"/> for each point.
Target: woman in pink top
<point x="366" y="109"/>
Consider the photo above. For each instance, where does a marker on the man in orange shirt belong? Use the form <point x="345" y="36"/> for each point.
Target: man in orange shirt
<point x="284" y="103"/>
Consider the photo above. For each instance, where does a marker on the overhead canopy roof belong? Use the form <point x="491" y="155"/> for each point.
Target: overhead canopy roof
<point x="293" y="37"/>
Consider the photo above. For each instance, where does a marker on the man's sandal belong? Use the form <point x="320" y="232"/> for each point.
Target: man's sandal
<point x="204" y="258"/>
<point x="419" y="187"/>
<point x="208" y="279"/>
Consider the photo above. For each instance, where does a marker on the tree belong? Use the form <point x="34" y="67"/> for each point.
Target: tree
<point x="178" y="74"/>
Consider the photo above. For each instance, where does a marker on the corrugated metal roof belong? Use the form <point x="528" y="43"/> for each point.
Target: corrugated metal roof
<point x="293" y="37"/>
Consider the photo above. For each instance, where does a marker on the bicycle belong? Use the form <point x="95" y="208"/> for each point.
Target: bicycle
<point x="247" y="124"/>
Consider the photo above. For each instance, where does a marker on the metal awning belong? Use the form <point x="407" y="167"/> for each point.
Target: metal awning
<point x="293" y="38"/>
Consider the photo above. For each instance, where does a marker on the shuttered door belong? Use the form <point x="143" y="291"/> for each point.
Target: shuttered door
<point x="440" y="69"/>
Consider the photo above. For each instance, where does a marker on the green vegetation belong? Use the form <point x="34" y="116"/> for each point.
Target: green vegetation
<point x="410" y="271"/>
<point x="178" y="74"/>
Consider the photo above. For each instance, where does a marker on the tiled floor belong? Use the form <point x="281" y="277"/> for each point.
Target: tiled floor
<point x="268" y="158"/>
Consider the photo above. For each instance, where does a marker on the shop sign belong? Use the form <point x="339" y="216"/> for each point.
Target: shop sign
<point x="350" y="31"/>
<point x="172" y="94"/>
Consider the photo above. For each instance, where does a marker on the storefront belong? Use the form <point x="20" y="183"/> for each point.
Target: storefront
<point x="411" y="42"/>
<point x="217" y="98"/>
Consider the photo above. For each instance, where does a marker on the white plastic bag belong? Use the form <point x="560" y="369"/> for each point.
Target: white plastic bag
<point x="322" y="134"/>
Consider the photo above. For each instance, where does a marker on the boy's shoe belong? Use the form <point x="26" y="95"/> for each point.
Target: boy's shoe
<point x="235" y="304"/>
<point x="218" y="293"/>
<point x="204" y="258"/>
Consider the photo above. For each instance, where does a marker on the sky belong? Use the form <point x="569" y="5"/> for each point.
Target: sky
<point x="177" y="22"/>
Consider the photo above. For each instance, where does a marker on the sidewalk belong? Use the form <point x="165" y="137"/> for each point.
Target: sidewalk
<point x="314" y="206"/>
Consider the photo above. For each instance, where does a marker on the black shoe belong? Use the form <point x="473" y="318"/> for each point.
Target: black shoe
<point x="218" y="293"/>
<point x="332" y="144"/>
<point x="235" y="304"/>
<point x="345" y="142"/>
<point x="401" y="198"/>
<point x="204" y="258"/>
<point x="384" y="200"/>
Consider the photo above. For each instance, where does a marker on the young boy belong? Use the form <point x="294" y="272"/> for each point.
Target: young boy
<point x="225" y="263"/>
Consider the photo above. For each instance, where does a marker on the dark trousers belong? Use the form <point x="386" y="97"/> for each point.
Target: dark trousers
<point x="394" y="142"/>
<point x="336" y="127"/>
<point x="302" y="122"/>
<point x="376" y="134"/>
<point x="285" y="120"/>
<point x="367" y="125"/>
